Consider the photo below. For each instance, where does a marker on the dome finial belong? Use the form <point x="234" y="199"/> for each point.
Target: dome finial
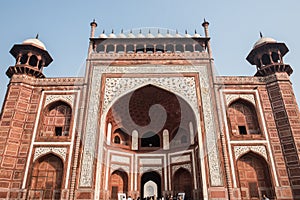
<point x="121" y="30"/>
<point x="260" y="34"/>
<point x="37" y="36"/>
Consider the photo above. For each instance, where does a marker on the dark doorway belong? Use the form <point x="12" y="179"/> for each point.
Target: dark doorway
<point x="183" y="182"/>
<point x="154" y="177"/>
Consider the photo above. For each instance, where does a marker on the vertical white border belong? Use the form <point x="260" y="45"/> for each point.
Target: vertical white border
<point x="32" y="141"/>
<point x="75" y="110"/>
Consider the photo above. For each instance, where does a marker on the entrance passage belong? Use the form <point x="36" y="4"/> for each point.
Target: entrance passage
<point x="46" y="178"/>
<point x="119" y="183"/>
<point x="151" y="185"/>
<point x="183" y="182"/>
<point x="254" y="177"/>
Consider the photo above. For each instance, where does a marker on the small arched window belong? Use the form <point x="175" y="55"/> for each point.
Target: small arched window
<point x="150" y="48"/>
<point x="179" y="48"/>
<point x="275" y="57"/>
<point x="56" y="119"/>
<point x="24" y="59"/>
<point x="198" y="48"/>
<point x="140" y="48"/>
<point x="117" y="140"/>
<point x="100" y="48"/>
<point x="150" y="139"/>
<point x="120" y="48"/>
<point x="110" y="48"/>
<point x="266" y="59"/>
<point x="130" y="48"/>
<point x="33" y="61"/>
<point x="160" y="48"/>
<point x="170" y="48"/>
<point x="243" y="118"/>
<point x="189" y="48"/>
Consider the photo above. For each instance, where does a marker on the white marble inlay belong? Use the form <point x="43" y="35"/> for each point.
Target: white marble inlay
<point x="240" y="150"/>
<point x="40" y="151"/>
<point x="178" y="159"/>
<point x="120" y="159"/>
<point x="147" y="161"/>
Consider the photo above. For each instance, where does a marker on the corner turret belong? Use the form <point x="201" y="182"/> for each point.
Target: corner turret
<point x="267" y="54"/>
<point x="31" y="57"/>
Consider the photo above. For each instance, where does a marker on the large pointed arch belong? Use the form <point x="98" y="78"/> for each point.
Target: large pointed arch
<point x="56" y="119"/>
<point x="46" y="178"/>
<point x="152" y="109"/>
<point x="183" y="182"/>
<point x="146" y="179"/>
<point x="254" y="176"/>
<point x="118" y="183"/>
<point x="243" y="118"/>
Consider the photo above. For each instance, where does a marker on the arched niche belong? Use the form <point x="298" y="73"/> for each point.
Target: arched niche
<point x="254" y="177"/>
<point x="46" y="177"/>
<point x="243" y="118"/>
<point x="118" y="183"/>
<point x="183" y="183"/>
<point x="151" y="109"/>
<point x="56" y="120"/>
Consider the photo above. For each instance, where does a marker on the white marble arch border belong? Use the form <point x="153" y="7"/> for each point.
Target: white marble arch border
<point x="61" y="152"/>
<point x="93" y="110"/>
<point x="261" y="150"/>
<point x="233" y="97"/>
<point x="68" y="98"/>
<point x="189" y="96"/>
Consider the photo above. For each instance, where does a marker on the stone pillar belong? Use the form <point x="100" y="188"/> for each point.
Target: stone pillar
<point x="287" y="121"/>
<point x="135" y="140"/>
<point x="166" y="140"/>
<point x="16" y="127"/>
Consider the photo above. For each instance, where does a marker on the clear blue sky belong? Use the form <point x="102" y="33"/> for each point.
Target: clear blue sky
<point x="64" y="28"/>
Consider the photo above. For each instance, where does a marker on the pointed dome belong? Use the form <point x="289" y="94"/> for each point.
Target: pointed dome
<point x="168" y="34"/>
<point x="159" y="35"/>
<point x="140" y="34"/>
<point x="131" y="35"/>
<point x="103" y="35"/>
<point x="122" y="35"/>
<point x="197" y="35"/>
<point x="35" y="42"/>
<point x="112" y="35"/>
<point x="186" y="34"/>
<point x="149" y="35"/>
<point x="264" y="40"/>
<point x="177" y="34"/>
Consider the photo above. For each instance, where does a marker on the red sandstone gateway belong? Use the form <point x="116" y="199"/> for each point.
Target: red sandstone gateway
<point x="150" y="120"/>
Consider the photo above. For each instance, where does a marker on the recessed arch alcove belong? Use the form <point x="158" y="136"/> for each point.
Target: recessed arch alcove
<point x="151" y="109"/>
